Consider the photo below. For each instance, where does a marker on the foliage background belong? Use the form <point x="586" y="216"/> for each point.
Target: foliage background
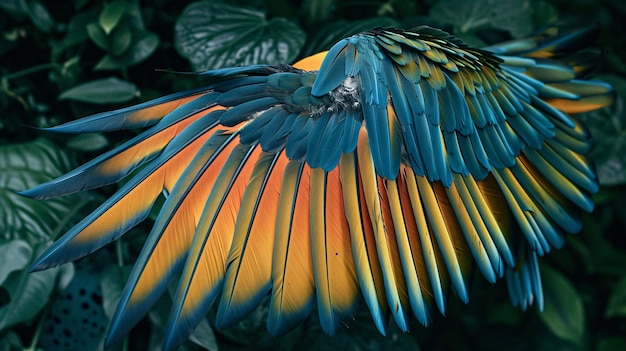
<point x="63" y="60"/>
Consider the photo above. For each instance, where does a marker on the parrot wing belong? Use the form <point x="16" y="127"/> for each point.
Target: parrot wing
<point x="383" y="170"/>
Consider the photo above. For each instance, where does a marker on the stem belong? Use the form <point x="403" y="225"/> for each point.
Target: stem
<point x="120" y="262"/>
<point x="59" y="228"/>
<point x="30" y="70"/>
<point x="35" y="339"/>
<point x="124" y="73"/>
<point x="120" y="253"/>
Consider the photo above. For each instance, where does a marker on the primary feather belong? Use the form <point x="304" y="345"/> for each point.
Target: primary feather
<point x="383" y="170"/>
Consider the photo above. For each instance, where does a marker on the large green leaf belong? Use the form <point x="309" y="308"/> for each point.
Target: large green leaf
<point x="608" y="132"/>
<point x="213" y="35"/>
<point x="11" y="341"/>
<point x="23" y="166"/>
<point x="40" y="16"/>
<point x="14" y="255"/>
<point x="102" y="91"/>
<point x="112" y="282"/>
<point x="611" y="344"/>
<point x="202" y="335"/>
<point x="28" y="292"/>
<point x="98" y="35"/>
<point x="143" y="45"/>
<point x="514" y="16"/>
<point x="617" y="301"/>
<point x="111" y="15"/>
<point x="563" y="309"/>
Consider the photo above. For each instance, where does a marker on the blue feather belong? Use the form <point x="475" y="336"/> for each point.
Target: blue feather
<point x="278" y="139"/>
<point x="118" y="119"/>
<point x="332" y="72"/>
<point x="243" y="94"/>
<point x="314" y="148"/>
<point x="352" y="127"/>
<point x="331" y="141"/>
<point x="270" y="139"/>
<point x="65" y="250"/>
<point x="298" y="141"/>
<point x="246" y="110"/>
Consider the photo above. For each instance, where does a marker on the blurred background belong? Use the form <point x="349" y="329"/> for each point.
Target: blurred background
<point x="68" y="59"/>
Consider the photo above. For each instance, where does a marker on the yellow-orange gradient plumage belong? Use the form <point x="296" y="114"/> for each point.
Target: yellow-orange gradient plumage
<point x="379" y="174"/>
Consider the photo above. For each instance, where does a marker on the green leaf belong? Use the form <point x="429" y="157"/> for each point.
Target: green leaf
<point x="608" y="132"/>
<point x="141" y="48"/>
<point x="611" y="344"/>
<point x="11" y="341"/>
<point x="121" y="38"/>
<point x="111" y="15"/>
<point x="40" y="16"/>
<point x="617" y="301"/>
<point x="98" y="36"/>
<point x="14" y="255"/>
<point x="77" y="32"/>
<point x="23" y="166"/>
<point x="16" y="8"/>
<point x="514" y="16"/>
<point x="328" y="35"/>
<point x="213" y="35"/>
<point x="29" y="293"/>
<point x="112" y="283"/>
<point x="563" y="309"/>
<point x="318" y="10"/>
<point x="204" y="336"/>
<point x="65" y="276"/>
<point x="88" y="142"/>
<point x="102" y="91"/>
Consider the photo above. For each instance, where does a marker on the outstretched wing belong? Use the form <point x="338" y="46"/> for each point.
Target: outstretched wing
<point x="383" y="170"/>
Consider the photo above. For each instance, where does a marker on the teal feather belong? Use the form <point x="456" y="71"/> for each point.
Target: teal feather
<point x="559" y="151"/>
<point x="331" y="140"/>
<point x="246" y="110"/>
<point x="471" y="159"/>
<point x="298" y="141"/>
<point x="277" y="140"/>
<point x="120" y="119"/>
<point x="333" y="70"/>
<point x="253" y="131"/>
<point x="352" y="126"/>
<point x="276" y="131"/>
<point x="243" y="94"/>
<point x="455" y="156"/>
<point x="285" y="81"/>
<point x="90" y="176"/>
<point x="313" y="150"/>
<point x="66" y="249"/>
<point x="539" y="121"/>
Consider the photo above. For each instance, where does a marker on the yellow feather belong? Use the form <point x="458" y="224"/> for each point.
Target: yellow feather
<point x="370" y="185"/>
<point x="406" y="255"/>
<point x="365" y="258"/>
<point x="292" y="266"/>
<point x="437" y="276"/>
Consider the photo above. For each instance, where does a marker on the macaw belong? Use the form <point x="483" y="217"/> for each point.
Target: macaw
<point x="385" y="171"/>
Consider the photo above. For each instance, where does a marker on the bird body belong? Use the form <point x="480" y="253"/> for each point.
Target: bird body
<point x="383" y="170"/>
